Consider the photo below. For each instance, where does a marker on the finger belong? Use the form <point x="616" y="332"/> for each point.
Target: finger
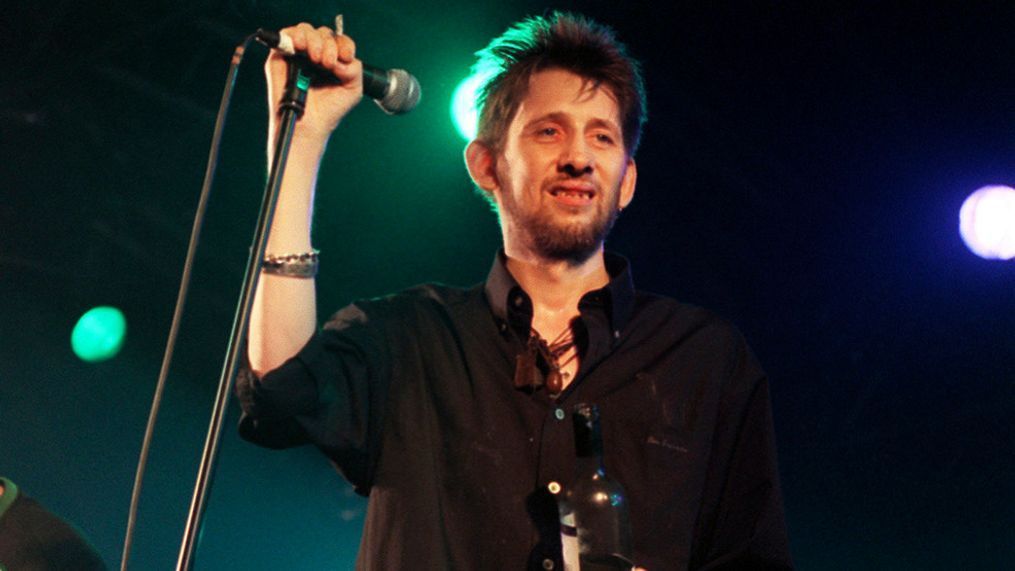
<point x="329" y="50"/>
<point x="349" y="74"/>
<point x="298" y="35"/>
<point x="315" y="42"/>
<point x="346" y="48"/>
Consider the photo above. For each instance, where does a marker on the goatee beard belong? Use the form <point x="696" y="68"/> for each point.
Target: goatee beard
<point x="574" y="243"/>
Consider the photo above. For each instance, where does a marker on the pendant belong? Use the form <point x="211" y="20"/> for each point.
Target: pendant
<point x="527" y="374"/>
<point x="524" y="364"/>
<point x="554" y="381"/>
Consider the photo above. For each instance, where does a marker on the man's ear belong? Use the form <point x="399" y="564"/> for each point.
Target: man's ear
<point x="479" y="159"/>
<point x="627" y="183"/>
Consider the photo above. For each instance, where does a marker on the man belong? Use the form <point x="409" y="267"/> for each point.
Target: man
<point x="451" y="407"/>
<point x="33" y="539"/>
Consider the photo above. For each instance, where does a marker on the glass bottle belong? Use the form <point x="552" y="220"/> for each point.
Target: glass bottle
<point x="593" y="508"/>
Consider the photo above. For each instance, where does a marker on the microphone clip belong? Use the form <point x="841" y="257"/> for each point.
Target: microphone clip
<point x="296" y="86"/>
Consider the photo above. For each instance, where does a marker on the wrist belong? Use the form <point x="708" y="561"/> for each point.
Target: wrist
<point x="311" y="137"/>
<point x="304" y="139"/>
<point x="305" y="153"/>
<point x="307" y="148"/>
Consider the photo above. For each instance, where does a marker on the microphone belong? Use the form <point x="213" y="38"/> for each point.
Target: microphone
<point x="395" y="91"/>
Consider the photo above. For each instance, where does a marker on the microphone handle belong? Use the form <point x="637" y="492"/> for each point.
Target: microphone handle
<point x="375" y="82"/>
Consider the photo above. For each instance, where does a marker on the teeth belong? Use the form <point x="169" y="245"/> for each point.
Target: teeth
<point x="573" y="193"/>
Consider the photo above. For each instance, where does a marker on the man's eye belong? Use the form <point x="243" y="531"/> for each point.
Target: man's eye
<point x="548" y="131"/>
<point x="604" y="138"/>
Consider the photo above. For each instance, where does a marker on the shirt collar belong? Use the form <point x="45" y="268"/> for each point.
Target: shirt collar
<point x="617" y="297"/>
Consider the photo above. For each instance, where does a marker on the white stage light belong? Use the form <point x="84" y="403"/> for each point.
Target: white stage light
<point x="987" y="222"/>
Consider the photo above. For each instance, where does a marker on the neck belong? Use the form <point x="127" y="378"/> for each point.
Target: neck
<point x="556" y="286"/>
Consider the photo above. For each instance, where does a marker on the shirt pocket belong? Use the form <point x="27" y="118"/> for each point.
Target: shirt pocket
<point x="648" y="444"/>
<point x="645" y="427"/>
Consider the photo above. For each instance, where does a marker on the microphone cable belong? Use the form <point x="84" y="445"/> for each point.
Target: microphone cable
<point x="181" y="298"/>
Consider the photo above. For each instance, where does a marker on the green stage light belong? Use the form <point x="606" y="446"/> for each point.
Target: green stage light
<point x="99" y="334"/>
<point x="463" y="106"/>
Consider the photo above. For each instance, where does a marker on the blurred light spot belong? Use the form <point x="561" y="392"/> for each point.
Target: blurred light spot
<point x="99" y="334"/>
<point x="463" y="106"/>
<point x="987" y="222"/>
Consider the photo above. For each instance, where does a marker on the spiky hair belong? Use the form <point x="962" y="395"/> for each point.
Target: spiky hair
<point x="560" y="40"/>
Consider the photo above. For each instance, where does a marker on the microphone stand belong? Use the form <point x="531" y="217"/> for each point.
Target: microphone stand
<point x="292" y="107"/>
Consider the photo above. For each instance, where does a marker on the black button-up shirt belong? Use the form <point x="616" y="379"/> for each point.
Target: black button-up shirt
<point x="412" y="397"/>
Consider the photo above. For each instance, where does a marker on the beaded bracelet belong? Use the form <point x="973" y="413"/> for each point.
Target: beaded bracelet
<point x="302" y="265"/>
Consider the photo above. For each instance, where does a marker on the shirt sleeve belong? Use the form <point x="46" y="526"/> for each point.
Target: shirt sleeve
<point x="743" y="523"/>
<point x="331" y="394"/>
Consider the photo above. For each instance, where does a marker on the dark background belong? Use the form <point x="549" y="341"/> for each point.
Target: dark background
<point x="801" y="174"/>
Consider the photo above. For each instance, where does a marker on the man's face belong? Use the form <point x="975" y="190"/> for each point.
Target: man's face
<point x="563" y="173"/>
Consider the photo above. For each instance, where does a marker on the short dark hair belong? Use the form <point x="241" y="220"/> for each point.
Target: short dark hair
<point x="565" y="41"/>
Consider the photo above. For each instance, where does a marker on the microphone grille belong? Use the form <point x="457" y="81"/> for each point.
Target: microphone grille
<point x="403" y="93"/>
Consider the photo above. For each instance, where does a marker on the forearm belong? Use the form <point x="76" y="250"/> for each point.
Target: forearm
<point x="284" y="315"/>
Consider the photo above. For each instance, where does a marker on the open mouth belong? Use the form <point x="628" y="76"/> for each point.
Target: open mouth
<point x="573" y="194"/>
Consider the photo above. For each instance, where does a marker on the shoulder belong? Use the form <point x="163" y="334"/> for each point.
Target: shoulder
<point x="698" y="337"/>
<point x="425" y="301"/>
<point x="673" y="318"/>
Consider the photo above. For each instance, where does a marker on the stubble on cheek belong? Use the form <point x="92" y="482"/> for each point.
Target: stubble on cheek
<point x="528" y="214"/>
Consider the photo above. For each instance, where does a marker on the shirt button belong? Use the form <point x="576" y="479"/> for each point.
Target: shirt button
<point x="559" y="413"/>
<point x="547" y="564"/>
<point x="616" y="334"/>
<point x="518" y="303"/>
<point x="554" y="488"/>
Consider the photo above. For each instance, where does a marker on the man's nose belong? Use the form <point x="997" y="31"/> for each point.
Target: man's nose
<point x="576" y="158"/>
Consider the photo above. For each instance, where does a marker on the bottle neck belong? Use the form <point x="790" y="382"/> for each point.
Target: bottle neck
<point x="591" y="465"/>
<point x="588" y="440"/>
